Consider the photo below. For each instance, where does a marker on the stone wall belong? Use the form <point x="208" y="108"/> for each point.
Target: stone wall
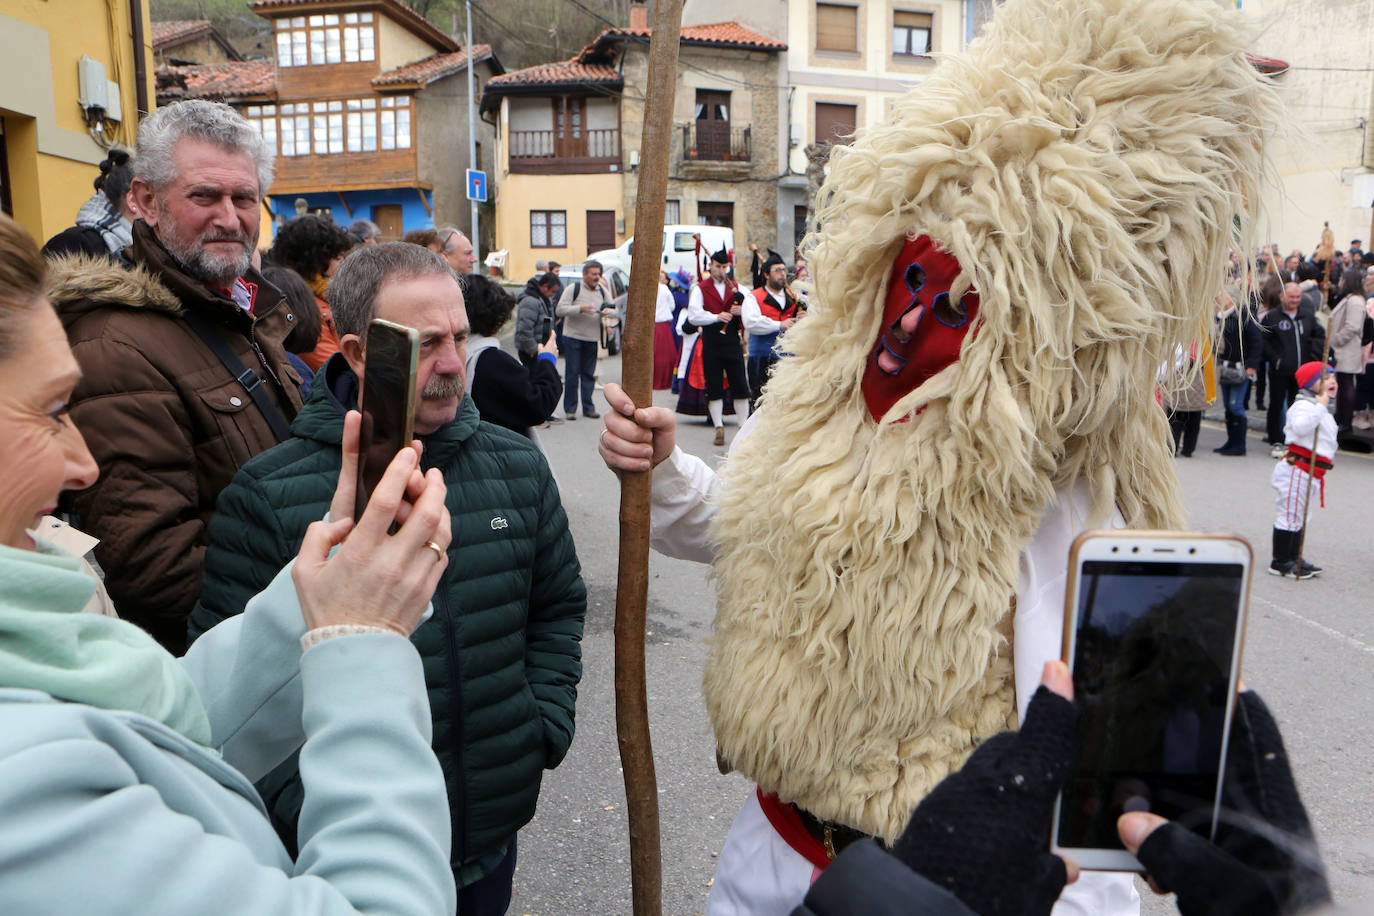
<point x="753" y="80"/>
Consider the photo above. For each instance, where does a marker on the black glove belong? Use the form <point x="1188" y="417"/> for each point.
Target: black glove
<point x="1264" y="861"/>
<point x="982" y="832"/>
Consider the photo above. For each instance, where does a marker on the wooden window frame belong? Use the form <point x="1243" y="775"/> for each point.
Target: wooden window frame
<point x="911" y="29"/>
<point x="821" y="8"/>
<point x="548" y="227"/>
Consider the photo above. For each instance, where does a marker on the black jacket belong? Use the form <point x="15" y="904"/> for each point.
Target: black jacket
<point x="1290" y="341"/>
<point x="533" y="321"/>
<point x="511" y="394"/>
<point x="864" y="879"/>
<point x="1242" y="341"/>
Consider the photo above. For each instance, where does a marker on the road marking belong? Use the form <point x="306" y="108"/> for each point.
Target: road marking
<point x="1337" y="635"/>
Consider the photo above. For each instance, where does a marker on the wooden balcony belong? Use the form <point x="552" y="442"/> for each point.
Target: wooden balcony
<point x="714" y="141"/>
<point x="549" y="152"/>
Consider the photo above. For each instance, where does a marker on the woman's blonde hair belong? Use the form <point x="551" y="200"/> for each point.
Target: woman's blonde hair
<point x="23" y="273"/>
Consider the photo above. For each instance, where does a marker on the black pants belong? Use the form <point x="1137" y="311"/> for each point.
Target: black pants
<point x="722" y="357"/>
<point x="760" y="371"/>
<point x="1283" y="388"/>
<point x="1346" y="383"/>
<point x="1185" y="425"/>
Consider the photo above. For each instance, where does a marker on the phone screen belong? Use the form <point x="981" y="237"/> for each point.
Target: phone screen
<point x="1152" y="675"/>
<point x="387" y="403"/>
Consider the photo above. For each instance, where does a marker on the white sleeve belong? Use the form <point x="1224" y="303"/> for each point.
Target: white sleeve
<point x="696" y="310"/>
<point x="754" y="320"/>
<point x="663" y="306"/>
<point x="681" y="507"/>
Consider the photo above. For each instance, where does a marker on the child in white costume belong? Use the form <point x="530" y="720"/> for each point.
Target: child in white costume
<point x="1308" y="419"/>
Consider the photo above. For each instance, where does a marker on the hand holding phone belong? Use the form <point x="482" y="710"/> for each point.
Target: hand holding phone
<point x="1153" y="631"/>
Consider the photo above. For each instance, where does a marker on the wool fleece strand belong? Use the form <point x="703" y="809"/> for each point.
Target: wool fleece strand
<point x="1087" y="167"/>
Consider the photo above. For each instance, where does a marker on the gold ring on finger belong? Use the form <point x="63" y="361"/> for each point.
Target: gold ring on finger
<point x="438" y="551"/>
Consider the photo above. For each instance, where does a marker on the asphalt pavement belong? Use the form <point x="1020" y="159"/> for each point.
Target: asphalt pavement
<point x="1309" y="653"/>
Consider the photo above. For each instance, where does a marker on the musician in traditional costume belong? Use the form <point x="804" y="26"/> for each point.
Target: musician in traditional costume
<point x="715" y="307"/>
<point x="768" y="311"/>
<point x="1000" y="269"/>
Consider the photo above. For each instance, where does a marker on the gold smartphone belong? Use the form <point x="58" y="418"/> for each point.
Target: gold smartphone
<point x="1154" y="628"/>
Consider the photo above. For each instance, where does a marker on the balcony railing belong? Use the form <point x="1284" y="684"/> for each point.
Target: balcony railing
<point x="714" y="141"/>
<point x="563" y="151"/>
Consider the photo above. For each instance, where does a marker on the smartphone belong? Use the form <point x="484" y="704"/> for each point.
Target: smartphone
<point x="391" y="355"/>
<point x="1154" y="626"/>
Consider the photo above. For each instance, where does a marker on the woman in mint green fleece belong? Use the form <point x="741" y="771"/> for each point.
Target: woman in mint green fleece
<point x="122" y="790"/>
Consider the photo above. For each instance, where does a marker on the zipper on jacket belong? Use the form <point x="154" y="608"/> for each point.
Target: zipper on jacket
<point x="442" y="606"/>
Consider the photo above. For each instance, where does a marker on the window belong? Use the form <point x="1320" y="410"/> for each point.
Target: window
<point x="672" y="212"/>
<point x="835" y="123"/>
<point x="264" y="121"/>
<point x="911" y="33"/>
<point x="548" y="229"/>
<point x="330" y="127"/>
<point x="328" y="38"/>
<point x="396" y="122"/>
<point x="837" y="27"/>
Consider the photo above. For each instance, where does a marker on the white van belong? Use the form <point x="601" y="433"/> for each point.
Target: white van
<point x="679" y="249"/>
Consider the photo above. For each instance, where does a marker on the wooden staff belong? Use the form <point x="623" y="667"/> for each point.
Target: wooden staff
<point x="632" y="582"/>
<point x="1312" y="462"/>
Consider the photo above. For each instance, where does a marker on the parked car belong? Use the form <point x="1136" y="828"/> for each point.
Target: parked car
<point x="679" y="248"/>
<point x="612" y="320"/>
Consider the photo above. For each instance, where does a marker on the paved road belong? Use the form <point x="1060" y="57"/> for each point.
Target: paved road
<point x="1310" y="652"/>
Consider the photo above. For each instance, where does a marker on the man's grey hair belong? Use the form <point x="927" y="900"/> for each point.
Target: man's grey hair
<point x="446" y="234"/>
<point x="356" y="282"/>
<point x="365" y="229"/>
<point x="541" y="266"/>
<point x="212" y="122"/>
<point x="588" y="265"/>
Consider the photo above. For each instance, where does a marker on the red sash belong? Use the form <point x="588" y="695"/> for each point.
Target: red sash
<point x="1301" y="458"/>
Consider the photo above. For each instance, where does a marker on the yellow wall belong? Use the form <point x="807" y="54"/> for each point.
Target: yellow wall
<point x="52" y="159"/>
<point x="575" y="194"/>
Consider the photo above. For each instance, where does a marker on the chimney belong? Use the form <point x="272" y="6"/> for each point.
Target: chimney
<point x="639" y="15"/>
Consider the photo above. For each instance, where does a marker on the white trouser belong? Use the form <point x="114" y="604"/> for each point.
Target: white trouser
<point x="1290" y="504"/>
<point x="758" y="874"/>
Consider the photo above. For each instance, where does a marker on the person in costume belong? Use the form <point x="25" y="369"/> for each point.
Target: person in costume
<point x="715" y="306"/>
<point x="1308" y="422"/>
<point x="769" y="311"/>
<point x="665" y="344"/>
<point x="1000" y="270"/>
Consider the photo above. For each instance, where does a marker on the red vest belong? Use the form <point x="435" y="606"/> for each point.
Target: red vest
<point x="768" y="307"/>
<point x="711" y="301"/>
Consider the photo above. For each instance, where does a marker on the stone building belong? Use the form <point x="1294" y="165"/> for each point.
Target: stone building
<point x="182" y="42"/>
<point x="583" y="117"/>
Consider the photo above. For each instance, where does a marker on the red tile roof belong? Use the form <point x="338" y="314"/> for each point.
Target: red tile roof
<point x="717" y="34"/>
<point x="591" y="64"/>
<point x="568" y="71"/>
<point x="246" y="79"/>
<point x="407" y="17"/>
<point x="178" y="31"/>
<point x="423" y="72"/>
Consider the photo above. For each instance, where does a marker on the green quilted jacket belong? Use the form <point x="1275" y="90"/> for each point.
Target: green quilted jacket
<point x="502" y="654"/>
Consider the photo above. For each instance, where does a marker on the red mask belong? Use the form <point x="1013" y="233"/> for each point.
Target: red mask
<point x="922" y="330"/>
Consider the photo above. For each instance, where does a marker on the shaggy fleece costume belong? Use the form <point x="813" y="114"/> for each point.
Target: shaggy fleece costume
<point x="1085" y="163"/>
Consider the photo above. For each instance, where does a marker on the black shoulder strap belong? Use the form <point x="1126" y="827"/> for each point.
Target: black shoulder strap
<point x="577" y="290"/>
<point x="250" y="380"/>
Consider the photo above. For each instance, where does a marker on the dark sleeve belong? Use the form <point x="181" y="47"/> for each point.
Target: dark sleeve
<point x="553" y="634"/>
<point x="145" y="506"/>
<point x="1316" y="341"/>
<point x="74" y="241"/>
<point x="512" y="395"/>
<point x="526" y="318"/>
<point x="1252" y="342"/>
<point x="1273" y="347"/>
<point x="245" y="551"/>
<point x="864" y="879"/>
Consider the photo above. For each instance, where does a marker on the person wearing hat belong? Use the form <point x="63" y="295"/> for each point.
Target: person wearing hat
<point x="1308" y="417"/>
<point x="716" y="307"/>
<point x="771" y="310"/>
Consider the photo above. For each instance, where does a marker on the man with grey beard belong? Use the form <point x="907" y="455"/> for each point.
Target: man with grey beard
<point x="502" y="652"/>
<point x="184" y="377"/>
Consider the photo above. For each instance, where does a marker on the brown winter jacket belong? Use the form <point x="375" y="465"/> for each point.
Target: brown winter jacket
<point x="167" y="423"/>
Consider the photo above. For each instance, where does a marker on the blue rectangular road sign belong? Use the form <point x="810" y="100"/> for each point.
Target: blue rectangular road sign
<point x="477" y="186"/>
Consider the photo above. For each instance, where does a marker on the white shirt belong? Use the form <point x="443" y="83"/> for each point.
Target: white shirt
<point x="755" y="322"/>
<point x="696" y="309"/>
<point x="663" y="308"/>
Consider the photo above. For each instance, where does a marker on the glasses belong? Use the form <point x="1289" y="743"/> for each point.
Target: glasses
<point x="448" y="243"/>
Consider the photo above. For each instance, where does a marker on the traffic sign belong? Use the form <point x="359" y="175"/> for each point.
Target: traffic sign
<point x="477" y="186"/>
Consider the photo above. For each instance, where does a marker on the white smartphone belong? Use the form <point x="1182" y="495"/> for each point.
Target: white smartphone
<point x="1154" y="626"/>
